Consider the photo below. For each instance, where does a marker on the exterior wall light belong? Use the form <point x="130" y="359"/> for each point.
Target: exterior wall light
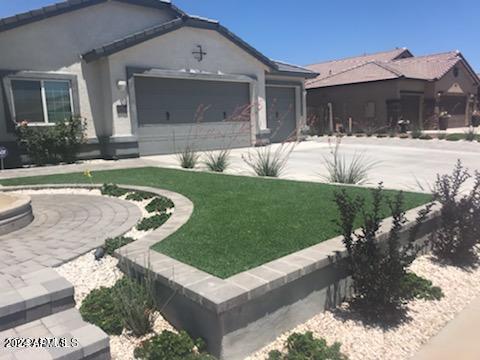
<point x="121" y="85"/>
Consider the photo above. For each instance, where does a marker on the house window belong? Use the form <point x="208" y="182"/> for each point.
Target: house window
<point x="370" y="110"/>
<point x="42" y="101"/>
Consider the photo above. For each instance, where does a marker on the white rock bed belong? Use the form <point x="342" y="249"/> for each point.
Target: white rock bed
<point x="427" y="319"/>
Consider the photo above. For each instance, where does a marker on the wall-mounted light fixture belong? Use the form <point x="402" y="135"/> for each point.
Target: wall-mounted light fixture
<point x="121" y="85"/>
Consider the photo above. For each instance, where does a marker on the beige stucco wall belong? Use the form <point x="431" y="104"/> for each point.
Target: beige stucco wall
<point x="55" y="45"/>
<point x="173" y="51"/>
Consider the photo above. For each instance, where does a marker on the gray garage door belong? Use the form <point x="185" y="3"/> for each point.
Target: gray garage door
<point x="174" y="113"/>
<point x="281" y="112"/>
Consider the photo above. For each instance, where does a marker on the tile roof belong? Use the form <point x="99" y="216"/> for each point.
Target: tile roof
<point x="284" y="67"/>
<point x="385" y="66"/>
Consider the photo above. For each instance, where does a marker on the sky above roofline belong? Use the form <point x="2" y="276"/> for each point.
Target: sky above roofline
<point x="312" y="31"/>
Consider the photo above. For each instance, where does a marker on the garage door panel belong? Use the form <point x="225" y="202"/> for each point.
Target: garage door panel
<point x="168" y="139"/>
<point x="179" y="101"/>
<point x="281" y="112"/>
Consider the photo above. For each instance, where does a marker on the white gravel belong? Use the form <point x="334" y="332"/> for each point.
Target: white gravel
<point x="400" y="343"/>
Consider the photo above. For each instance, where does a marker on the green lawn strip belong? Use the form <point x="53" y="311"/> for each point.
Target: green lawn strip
<point x="238" y="222"/>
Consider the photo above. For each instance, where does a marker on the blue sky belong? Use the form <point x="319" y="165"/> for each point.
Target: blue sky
<point x="307" y="31"/>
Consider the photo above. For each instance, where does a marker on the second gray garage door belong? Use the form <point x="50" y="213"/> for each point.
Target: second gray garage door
<point x="174" y="113"/>
<point x="281" y="113"/>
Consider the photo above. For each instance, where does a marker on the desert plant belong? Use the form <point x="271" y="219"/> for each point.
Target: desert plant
<point x="159" y="204"/>
<point x="134" y="303"/>
<point x="471" y="134"/>
<point x="377" y="269"/>
<point x="112" y="190"/>
<point x="99" y="308"/>
<point x="139" y="196"/>
<point x="116" y="243"/>
<point x="188" y="158"/>
<point x="170" y="346"/>
<point x="217" y="161"/>
<point x="413" y="286"/>
<point x="52" y="144"/>
<point x="459" y="226"/>
<point x="425" y="137"/>
<point x="267" y="161"/>
<point x="306" y="347"/>
<point x="416" y="133"/>
<point x="342" y="171"/>
<point x="153" y="222"/>
<point x="404" y="136"/>
<point x="441" y="136"/>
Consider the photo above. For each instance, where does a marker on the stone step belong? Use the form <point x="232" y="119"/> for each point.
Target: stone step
<point x="34" y="296"/>
<point x="70" y="338"/>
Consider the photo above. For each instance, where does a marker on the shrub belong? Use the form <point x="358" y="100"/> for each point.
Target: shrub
<point x="380" y="136"/>
<point x="413" y="286"/>
<point x="188" y="158"/>
<point x="99" y="308"/>
<point x="416" y="133"/>
<point x="471" y="134"/>
<point x="441" y="136"/>
<point x="139" y="196"/>
<point x="217" y="161"/>
<point x="459" y="227"/>
<point x="153" y="222"/>
<point x="377" y="269"/>
<point x="268" y="162"/>
<point x="404" y="136"/>
<point x="116" y="243"/>
<point x="134" y="303"/>
<point x="169" y="346"/>
<point x="342" y="171"/>
<point x="52" y="144"/>
<point x="425" y="137"/>
<point x="359" y="135"/>
<point x="159" y="204"/>
<point x="306" y="347"/>
<point x="454" y="137"/>
<point x="112" y="190"/>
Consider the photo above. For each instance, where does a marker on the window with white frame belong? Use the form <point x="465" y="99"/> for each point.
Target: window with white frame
<point x="42" y="101"/>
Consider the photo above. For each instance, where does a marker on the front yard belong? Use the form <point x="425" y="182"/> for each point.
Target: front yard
<point x="238" y="222"/>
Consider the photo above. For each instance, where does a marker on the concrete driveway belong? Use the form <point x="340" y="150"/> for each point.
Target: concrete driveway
<point x="401" y="163"/>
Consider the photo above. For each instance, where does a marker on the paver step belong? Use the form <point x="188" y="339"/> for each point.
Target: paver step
<point x="34" y="296"/>
<point x="80" y="339"/>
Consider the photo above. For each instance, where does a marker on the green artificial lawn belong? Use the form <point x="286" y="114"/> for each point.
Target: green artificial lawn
<point x="238" y="222"/>
<point x="458" y="137"/>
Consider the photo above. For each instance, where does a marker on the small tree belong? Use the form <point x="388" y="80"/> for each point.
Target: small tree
<point x="459" y="229"/>
<point x="378" y="270"/>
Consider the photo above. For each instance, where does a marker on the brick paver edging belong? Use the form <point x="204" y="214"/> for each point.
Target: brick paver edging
<point x="256" y="305"/>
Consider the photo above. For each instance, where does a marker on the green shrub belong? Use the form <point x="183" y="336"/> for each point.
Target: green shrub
<point x="377" y="269"/>
<point x="268" y="162"/>
<point x="380" y="136"/>
<point x="112" y="190"/>
<point x="52" y="144"/>
<point x="134" y="303"/>
<point x="140" y="196"/>
<point x="169" y="346"/>
<point x="188" y="158"/>
<point x="116" y="243"/>
<point x="404" y="136"/>
<point x="454" y="137"/>
<point x="425" y="137"/>
<point x="153" y="222"/>
<point x="416" y="133"/>
<point x="441" y="136"/>
<point x="416" y="287"/>
<point x="306" y="347"/>
<point x="217" y="161"/>
<point x="471" y="134"/>
<point x="159" y="204"/>
<point x="99" y="308"/>
<point x="342" y="171"/>
<point x="359" y="135"/>
<point x="459" y="228"/>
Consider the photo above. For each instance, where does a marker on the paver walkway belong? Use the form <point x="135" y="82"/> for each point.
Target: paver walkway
<point x="65" y="226"/>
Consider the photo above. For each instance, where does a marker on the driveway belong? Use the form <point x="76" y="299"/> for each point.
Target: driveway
<point x="401" y="163"/>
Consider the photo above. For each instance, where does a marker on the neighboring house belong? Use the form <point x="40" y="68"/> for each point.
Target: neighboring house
<point x="148" y="78"/>
<point x="376" y="91"/>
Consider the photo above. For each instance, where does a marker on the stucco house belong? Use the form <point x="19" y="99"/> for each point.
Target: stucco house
<point x="375" y="91"/>
<point x="147" y="77"/>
